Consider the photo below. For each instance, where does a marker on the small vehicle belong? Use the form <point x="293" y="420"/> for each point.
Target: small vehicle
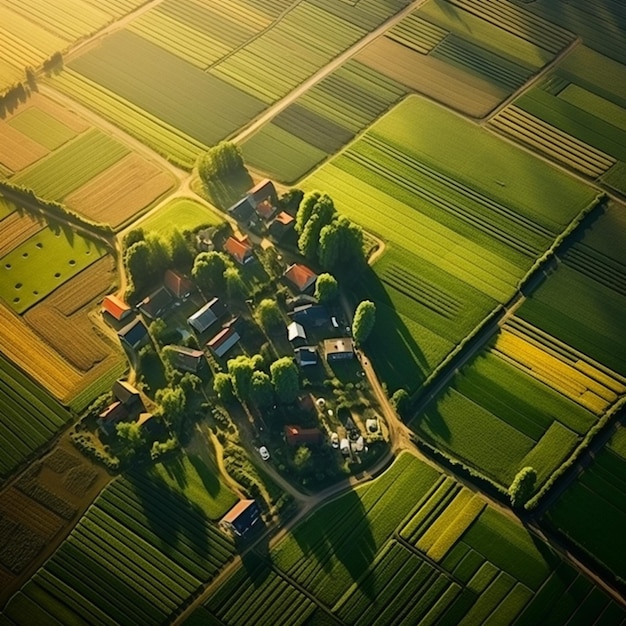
<point x="334" y="440"/>
<point x="265" y="453"/>
<point x="334" y="322"/>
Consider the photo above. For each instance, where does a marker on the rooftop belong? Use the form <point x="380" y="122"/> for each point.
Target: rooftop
<point x="300" y="276"/>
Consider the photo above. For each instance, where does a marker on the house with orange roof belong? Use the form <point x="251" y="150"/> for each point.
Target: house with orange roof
<point x="178" y="285"/>
<point x="239" y="249"/>
<point x="300" y="277"/>
<point x="115" y="307"/>
<point x="242" y="517"/>
<point x="281" y="225"/>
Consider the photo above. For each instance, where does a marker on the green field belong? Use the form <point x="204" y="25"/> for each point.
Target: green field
<point x="461" y="232"/>
<point x="196" y="481"/>
<point x="321" y="121"/>
<point x="362" y="560"/>
<point x="29" y="417"/>
<point x="182" y="213"/>
<point x="138" y="553"/>
<point x="70" y="167"/>
<point x="42" y="128"/>
<point x="181" y="96"/>
<point x="44" y="262"/>
<point x="591" y="512"/>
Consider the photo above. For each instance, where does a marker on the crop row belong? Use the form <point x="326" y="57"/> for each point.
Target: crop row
<point x="417" y="33"/>
<point x="603" y="268"/>
<point x="72" y="166"/>
<point x="551" y="141"/>
<point x="42" y="127"/>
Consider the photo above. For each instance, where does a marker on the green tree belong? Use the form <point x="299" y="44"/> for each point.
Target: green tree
<point x="340" y="245"/>
<point x="224" y="174"/>
<point x="261" y="391"/>
<point x="235" y="287"/>
<point x="291" y="199"/>
<point x="323" y="213"/>
<point x="302" y="459"/>
<point x="180" y="250"/>
<point x="400" y="401"/>
<point x="159" y="256"/>
<point x="137" y="262"/>
<point x="223" y="386"/>
<point x="171" y="403"/>
<point x="326" y="288"/>
<point x="522" y="487"/>
<point x="363" y="322"/>
<point x="269" y="315"/>
<point x="158" y="329"/>
<point x="133" y="236"/>
<point x="284" y="374"/>
<point x="241" y="369"/>
<point x="305" y="210"/>
<point x="131" y="432"/>
<point x="208" y="271"/>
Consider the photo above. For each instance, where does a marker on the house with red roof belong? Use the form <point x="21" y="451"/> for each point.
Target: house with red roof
<point x="242" y="517"/>
<point x="297" y="436"/>
<point x="239" y="249"/>
<point x="115" y="307"/>
<point x="300" y="277"/>
<point x="178" y="285"/>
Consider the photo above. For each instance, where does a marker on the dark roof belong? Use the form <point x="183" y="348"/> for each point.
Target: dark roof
<point x="263" y="190"/>
<point x="188" y="359"/>
<point x="207" y="315"/>
<point x="295" y="435"/>
<point x="155" y="304"/>
<point x="242" y="211"/>
<point x="300" y="276"/>
<point x="243" y="516"/>
<point x="300" y="300"/>
<point x="125" y="392"/>
<point x="280" y="225"/>
<point x="224" y="341"/>
<point x="134" y="333"/>
<point x="116" y="307"/>
<point x="150" y="424"/>
<point x="306" y="355"/>
<point x="178" y="285"/>
<point x="310" y="314"/>
<point x="114" y="412"/>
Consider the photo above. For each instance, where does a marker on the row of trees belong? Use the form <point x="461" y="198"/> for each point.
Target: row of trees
<point x="249" y="382"/>
<point x="325" y="237"/>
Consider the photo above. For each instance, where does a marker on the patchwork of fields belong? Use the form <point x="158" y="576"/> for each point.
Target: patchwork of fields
<point x="372" y="557"/>
<point x="462" y="232"/>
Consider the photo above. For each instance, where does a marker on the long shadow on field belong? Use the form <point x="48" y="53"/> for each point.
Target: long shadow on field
<point x="396" y="355"/>
<point x="171" y="518"/>
<point x="339" y="532"/>
<point x="431" y="423"/>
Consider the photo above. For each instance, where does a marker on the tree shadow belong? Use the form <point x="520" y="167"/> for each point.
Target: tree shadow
<point x="175" y="469"/>
<point x="209" y="479"/>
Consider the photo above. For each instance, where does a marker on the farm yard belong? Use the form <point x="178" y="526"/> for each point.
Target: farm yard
<point x="591" y="511"/>
<point x="468" y="229"/>
<point x="446" y="557"/>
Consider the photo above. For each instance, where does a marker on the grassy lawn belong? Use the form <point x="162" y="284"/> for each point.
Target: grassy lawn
<point x="181" y="213"/>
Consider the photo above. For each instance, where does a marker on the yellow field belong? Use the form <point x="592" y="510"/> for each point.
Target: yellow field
<point x="15" y="229"/>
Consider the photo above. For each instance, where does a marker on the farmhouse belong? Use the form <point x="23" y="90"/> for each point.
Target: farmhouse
<point x="205" y="317"/>
<point x="306" y="356"/>
<point x="223" y="341"/>
<point x="241" y="211"/>
<point x="114" y="413"/>
<point x="265" y="210"/>
<point x="156" y="303"/>
<point x="310" y="315"/>
<point x="242" y="517"/>
<point x="281" y="225"/>
<point x="188" y="359"/>
<point x="178" y="285"/>
<point x="134" y="334"/>
<point x="263" y="190"/>
<point x="115" y="307"/>
<point x="297" y="436"/>
<point x="338" y="349"/>
<point x="239" y="249"/>
<point x="296" y="334"/>
<point x="126" y="393"/>
<point x="150" y="425"/>
<point x="300" y="277"/>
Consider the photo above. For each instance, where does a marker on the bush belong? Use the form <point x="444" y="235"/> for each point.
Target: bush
<point x="522" y="487"/>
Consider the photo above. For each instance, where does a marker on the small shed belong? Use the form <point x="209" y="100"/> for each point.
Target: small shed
<point x="134" y="334"/>
<point x="188" y="359"/>
<point x="223" y="341"/>
<point x="242" y="517"/>
<point x="306" y="356"/>
<point x="296" y="334"/>
<point x="281" y="225"/>
<point x="297" y="436"/>
<point x="116" y="307"/>
<point x="206" y="316"/>
<point x="300" y="277"/>
<point x="178" y="285"/>
<point x="156" y="303"/>
<point x="239" y="249"/>
<point x="338" y="349"/>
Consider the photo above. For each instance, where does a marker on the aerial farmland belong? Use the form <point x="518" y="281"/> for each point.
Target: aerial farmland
<point x="312" y="312"/>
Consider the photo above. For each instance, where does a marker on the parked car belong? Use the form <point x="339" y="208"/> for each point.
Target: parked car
<point x="334" y="440"/>
<point x="334" y="322"/>
<point x="265" y="453"/>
